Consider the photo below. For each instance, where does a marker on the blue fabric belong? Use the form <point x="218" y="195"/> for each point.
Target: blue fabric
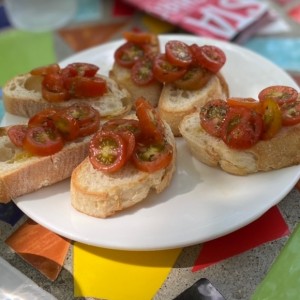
<point x="4" y="22"/>
<point x="10" y="213"/>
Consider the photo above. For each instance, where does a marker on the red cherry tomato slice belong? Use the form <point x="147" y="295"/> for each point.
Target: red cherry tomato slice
<point x="272" y="118"/>
<point x="127" y="54"/>
<point x="212" y="116"/>
<point x="245" y="102"/>
<point x="129" y="139"/>
<point x="279" y="93"/>
<point x="53" y="82"/>
<point x="194" y="79"/>
<point x="150" y="123"/>
<point x="290" y="113"/>
<point x="120" y="125"/>
<point x="141" y="72"/>
<point x="83" y="113"/>
<point x="164" y="71"/>
<point x="16" y="134"/>
<point x="152" y="157"/>
<point x="54" y="97"/>
<point x="42" y="141"/>
<point x="87" y="117"/>
<point x="148" y="41"/>
<point x="178" y="53"/>
<point x="49" y="69"/>
<point x="66" y="125"/>
<point x="86" y="87"/>
<point x="53" y="89"/>
<point x="209" y="56"/>
<point x="107" y="151"/>
<point x="242" y="128"/>
<point x="89" y="128"/>
<point x="43" y="118"/>
<point x="80" y="69"/>
<point x="139" y="37"/>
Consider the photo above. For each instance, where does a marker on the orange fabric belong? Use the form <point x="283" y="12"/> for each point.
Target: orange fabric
<point x="41" y="248"/>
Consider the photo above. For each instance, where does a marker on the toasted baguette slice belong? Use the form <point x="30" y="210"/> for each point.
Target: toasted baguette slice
<point x="123" y="77"/>
<point x="176" y="103"/>
<point x="21" y="173"/>
<point x="100" y="195"/>
<point x="279" y="152"/>
<point x="22" y="96"/>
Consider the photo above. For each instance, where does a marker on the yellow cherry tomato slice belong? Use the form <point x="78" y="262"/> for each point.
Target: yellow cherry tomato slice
<point x="272" y="118"/>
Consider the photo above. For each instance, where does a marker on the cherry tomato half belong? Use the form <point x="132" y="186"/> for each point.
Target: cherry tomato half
<point x="279" y="93"/>
<point x="107" y="151"/>
<point x="178" y="53"/>
<point x="141" y="71"/>
<point x="49" y="69"/>
<point x="80" y="69"/>
<point x="242" y="128"/>
<point x="272" y="118"/>
<point x="245" y="102"/>
<point x="43" y="118"/>
<point x="87" y="117"/>
<point x="152" y="157"/>
<point x="127" y="54"/>
<point x="290" y="113"/>
<point x="212" y="116"/>
<point x="209" y="56"/>
<point x="120" y="125"/>
<point x="139" y="37"/>
<point x="16" y="134"/>
<point x="129" y="139"/>
<point x="195" y="78"/>
<point x="164" y="71"/>
<point x="150" y="123"/>
<point x="86" y="87"/>
<point x="42" y="141"/>
<point x="54" y="97"/>
<point x="66" y="125"/>
<point x="53" y="89"/>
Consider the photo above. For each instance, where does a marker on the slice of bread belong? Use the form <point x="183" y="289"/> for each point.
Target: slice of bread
<point x="176" y="103"/>
<point x="123" y="77"/>
<point x="22" y="173"/>
<point x="279" y="152"/>
<point x="22" y="96"/>
<point x="101" y="195"/>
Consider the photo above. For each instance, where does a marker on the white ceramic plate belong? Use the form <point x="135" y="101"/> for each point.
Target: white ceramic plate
<point x="202" y="203"/>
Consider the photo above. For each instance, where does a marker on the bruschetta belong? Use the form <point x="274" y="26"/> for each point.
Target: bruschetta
<point x="128" y="159"/>
<point x="245" y="135"/>
<point x="45" y="150"/>
<point x="55" y="87"/>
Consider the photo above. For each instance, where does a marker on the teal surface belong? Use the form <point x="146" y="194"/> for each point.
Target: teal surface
<point x="285" y="52"/>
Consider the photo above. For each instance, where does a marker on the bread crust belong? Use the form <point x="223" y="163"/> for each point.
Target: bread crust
<point x="176" y="103"/>
<point x="22" y="96"/>
<point x="102" y="195"/>
<point x="279" y="152"/>
<point x="22" y="176"/>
